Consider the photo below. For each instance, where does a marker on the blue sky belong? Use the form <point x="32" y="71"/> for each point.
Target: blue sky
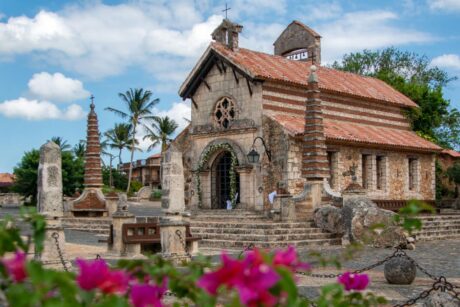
<point x="55" y="53"/>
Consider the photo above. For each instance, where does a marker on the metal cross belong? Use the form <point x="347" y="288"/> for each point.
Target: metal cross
<point x="226" y="10"/>
<point x="92" y="98"/>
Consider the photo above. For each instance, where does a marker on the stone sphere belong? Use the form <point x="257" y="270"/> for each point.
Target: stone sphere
<point x="400" y="271"/>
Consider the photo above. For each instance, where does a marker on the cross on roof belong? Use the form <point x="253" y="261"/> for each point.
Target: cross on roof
<point x="226" y="10"/>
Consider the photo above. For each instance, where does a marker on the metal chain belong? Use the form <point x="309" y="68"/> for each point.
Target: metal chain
<point x="441" y="283"/>
<point x="55" y="236"/>
<point x="184" y="244"/>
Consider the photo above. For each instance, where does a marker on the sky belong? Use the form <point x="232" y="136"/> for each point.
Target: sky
<point x="54" y="53"/>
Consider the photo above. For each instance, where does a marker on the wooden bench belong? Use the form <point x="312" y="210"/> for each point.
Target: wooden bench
<point x="149" y="233"/>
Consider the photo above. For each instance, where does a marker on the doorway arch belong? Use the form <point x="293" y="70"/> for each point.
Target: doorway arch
<point x="221" y="177"/>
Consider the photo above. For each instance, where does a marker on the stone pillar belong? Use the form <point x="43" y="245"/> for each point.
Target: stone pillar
<point x="172" y="226"/>
<point x="172" y="183"/>
<point x="315" y="166"/>
<point x="50" y="204"/>
<point x="119" y="217"/>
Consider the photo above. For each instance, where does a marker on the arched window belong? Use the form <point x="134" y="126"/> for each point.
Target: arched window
<point x="225" y="112"/>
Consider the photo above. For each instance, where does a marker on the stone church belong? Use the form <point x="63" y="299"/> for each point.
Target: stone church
<point x="282" y="122"/>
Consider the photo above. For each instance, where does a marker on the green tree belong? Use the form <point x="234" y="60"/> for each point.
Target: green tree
<point x="160" y="131"/>
<point x="139" y="104"/>
<point x="80" y="149"/>
<point x="26" y="173"/>
<point x="453" y="173"/>
<point x="60" y="142"/>
<point x="119" y="138"/>
<point x="413" y="76"/>
<point x="119" y="180"/>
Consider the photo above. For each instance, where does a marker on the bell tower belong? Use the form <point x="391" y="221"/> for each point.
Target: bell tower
<point x="227" y="33"/>
<point x="299" y="42"/>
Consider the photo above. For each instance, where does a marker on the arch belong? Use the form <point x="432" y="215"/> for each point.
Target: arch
<point x="239" y="153"/>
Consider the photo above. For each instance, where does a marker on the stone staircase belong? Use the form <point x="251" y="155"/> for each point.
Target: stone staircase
<point x="237" y="229"/>
<point x="439" y="227"/>
<point x="99" y="226"/>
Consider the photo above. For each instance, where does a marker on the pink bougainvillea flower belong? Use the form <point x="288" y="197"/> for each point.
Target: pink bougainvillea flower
<point x="92" y="273"/>
<point x="353" y="281"/>
<point x="227" y="275"/>
<point x="252" y="277"/>
<point x="116" y="281"/>
<point x="288" y="258"/>
<point x="148" y="295"/>
<point x="16" y="266"/>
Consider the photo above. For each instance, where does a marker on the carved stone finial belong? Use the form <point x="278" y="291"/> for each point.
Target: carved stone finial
<point x="313" y="76"/>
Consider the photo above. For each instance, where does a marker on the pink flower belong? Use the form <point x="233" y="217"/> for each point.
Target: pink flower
<point x="116" y="281"/>
<point x="96" y="274"/>
<point x="252" y="277"/>
<point x="146" y="295"/>
<point x="92" y="273"/>
<point x="16" y="266"/>
<point x="289" y="259"/>
<point x="353" y="281"/>
<point x="226" y="275"/>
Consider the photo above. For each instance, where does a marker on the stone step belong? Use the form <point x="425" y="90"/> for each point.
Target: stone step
<point x="276" y="231"/>
<point x="89" y="221"/>
<point x="443" y="237"/>
<point x="439" y="217"/>
<point x="440" y="224"/>
<point x="205" y="243"/>
<point x="437" y="233"/>
<point x="256" y="225"/>
<point x="266" y="238"/>
<point x="230" y="218"/>
<point x="102" y="231"/>
<point x="220" y="212"/>
<point x="445" y="227"/>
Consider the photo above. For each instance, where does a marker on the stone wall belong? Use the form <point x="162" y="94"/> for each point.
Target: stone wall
<point x="446" y="161"/>
<point x="184" y="144"/>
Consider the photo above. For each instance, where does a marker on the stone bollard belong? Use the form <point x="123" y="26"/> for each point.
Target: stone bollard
<point x="50" y="205"/>
<point x="119" y="217"/>
<point x="173" y="240"/>
<point x="400" y="271"/>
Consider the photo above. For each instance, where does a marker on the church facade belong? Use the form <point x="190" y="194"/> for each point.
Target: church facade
<point x="262" y="123"/>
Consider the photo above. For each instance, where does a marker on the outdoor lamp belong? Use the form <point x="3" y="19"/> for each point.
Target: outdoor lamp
<point x="254" y="156"/>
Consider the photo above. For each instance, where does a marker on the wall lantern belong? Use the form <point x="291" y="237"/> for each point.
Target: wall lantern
<point x="254" y="156"/>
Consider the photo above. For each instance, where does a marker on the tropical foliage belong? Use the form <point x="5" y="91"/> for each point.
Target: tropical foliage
<point x="139" y="104"/>
<point x="411" y="74"/>
<point x="160" y="131"/>
<point x="120" y="138"/>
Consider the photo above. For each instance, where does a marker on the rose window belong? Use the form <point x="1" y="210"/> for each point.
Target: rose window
<point x="224" y="113"/>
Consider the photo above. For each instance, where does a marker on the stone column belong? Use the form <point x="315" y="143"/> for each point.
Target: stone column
<point x="119" y="217"/>
<point x="50" y="204"/>
<point x="172" y="225"/>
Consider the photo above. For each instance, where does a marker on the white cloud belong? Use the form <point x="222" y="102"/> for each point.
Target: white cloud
<point x="447" y="61"/>
<point x="97" y="40"/>
<point x="180" y="112"/>
<point x="56" y="87"/>
<point x="39" y="110"/>
<point x="322" y="11"/>
<point x="446" y="5"/>
<point x="364" y="30"/>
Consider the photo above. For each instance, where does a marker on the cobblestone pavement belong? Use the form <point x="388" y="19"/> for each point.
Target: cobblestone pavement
<point x="437" y="257"/>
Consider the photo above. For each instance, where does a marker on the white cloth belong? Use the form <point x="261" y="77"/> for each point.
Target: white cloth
<point x="271" y="197"/>
<point x="229" y="205"/>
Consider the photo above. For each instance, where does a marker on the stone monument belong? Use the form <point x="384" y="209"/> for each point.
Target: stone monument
<point x="120" y="217"/>
<point x="172" y="225"/>
<point x="92" y="201"/>
<point x="50" y="205"/>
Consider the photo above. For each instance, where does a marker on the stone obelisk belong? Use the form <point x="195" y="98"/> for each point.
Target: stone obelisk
<point x="50" y="204"/>
<point x="172" y="225"/>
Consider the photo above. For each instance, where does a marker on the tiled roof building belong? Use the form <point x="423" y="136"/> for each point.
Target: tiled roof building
<point x="317" y="122"/>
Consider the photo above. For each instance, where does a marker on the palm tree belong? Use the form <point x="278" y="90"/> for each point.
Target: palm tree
<point x="160" y="131"/>
<point x="63" y="145"/>
<point x="80" y="149"/>
<point x="139" y="104"/>
<point x="119" y="138"/>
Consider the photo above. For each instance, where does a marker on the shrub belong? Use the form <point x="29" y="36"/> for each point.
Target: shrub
<point x="156" y="194"/>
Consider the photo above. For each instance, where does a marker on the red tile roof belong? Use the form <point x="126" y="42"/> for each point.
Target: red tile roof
<point x="6" y="179"/>
<point x="359" y="133"/>
<point x="276" y="68"/>
<point x="452" y="153"/>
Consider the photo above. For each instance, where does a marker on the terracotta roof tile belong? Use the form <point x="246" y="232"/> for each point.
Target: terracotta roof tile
<point x="451" y="153"/>
<point x="359" y="133"/>
<point x="276" y="68"/>
<point x="6" y="179"/>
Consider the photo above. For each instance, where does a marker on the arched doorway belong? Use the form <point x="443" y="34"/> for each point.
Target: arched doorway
<point x="221" y="179"/>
